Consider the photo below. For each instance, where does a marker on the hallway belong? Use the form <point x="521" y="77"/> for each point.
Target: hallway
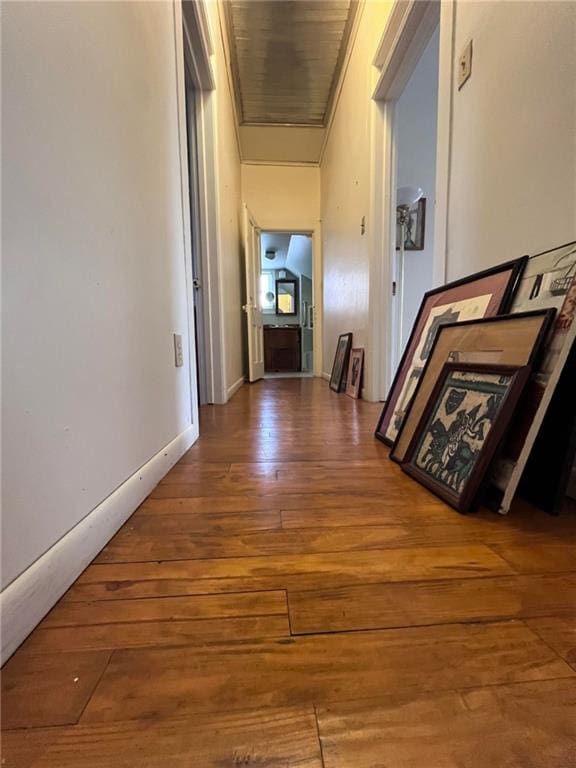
<point x="288" y="597"/>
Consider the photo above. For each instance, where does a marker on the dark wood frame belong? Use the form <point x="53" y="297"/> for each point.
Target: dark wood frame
<point x="421" y="204"/>
<point x="339" y="384"/>
<point x="516" y="267"/>
<point x="295" y="284"/>
<point x="464" y="501"/>
<point x="353" y="391"/>
<point x="547" y="314"/>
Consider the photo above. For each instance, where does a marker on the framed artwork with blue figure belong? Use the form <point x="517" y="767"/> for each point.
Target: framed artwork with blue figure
<point x="462" y="427"/>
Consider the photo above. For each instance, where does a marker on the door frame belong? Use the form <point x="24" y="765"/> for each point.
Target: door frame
<point x="409" y="28"/>
<point x="317" y="291"/>
<point x="197" y="50"/>
<point x="254" y="343"/>
<point x="197" y="274"/>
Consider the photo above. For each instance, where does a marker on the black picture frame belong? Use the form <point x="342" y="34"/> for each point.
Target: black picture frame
<point x="340" y="364"/>
<point x="465" y="500"/>
<point x="285" y="281"/>
<point x="417" y="213"/>
<point x="515" y="267"/>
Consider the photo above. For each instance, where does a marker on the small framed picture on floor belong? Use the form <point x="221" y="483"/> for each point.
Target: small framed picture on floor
<point x="340" y="367"/>
<point x="354" y="381"/>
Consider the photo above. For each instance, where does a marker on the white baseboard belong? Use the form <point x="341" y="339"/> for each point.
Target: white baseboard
<point x="28" y="598"/>
<point x="235" y="387"/>
<point x="326" y="376"/>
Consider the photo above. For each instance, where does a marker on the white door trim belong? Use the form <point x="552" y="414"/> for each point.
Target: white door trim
<point x="185" y="207"/>
<point x="405" y="37"/>
<point x="382" y="233"/>
<point x="253" y="319"/>
<point x="444" y="140"/>
<point x="197" y="55"/>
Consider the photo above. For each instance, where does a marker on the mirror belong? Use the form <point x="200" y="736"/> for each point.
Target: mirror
<point x="286" y="297"/>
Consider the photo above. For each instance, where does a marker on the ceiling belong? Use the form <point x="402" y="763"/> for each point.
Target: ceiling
<point x="286" y="58"/>
<point x="277" y="242"/>
<point x="292" y="252"/>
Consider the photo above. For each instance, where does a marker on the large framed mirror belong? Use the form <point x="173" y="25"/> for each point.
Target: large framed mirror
<point x="286" y="297"/>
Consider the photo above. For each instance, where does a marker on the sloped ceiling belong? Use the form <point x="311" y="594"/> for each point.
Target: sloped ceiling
<point x="293" y="252"/>
<point x="277" y="242"/>
<point x="286" y="58"/>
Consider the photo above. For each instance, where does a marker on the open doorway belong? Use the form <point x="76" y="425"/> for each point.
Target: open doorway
<point x="200" y="334"/>
<point x="415" y="132"/>
<point x="287" y="303"/>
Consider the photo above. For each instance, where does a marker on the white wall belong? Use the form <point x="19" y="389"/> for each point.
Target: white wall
<point x="513" y="166"/>
<point x="345" y="179"/>
<point x="229" y="207"/>
<point x="299" y="259"/>
<point x="94" y="264"/>
<point x="416" y="115"/>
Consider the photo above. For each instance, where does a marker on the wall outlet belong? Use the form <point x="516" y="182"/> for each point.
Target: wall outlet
<point x="178" y="353"/>
<point x="465" y="65"/>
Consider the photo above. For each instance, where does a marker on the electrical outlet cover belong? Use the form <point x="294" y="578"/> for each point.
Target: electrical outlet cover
<point x="465" y="65"/>
<point x="178" y="353"/>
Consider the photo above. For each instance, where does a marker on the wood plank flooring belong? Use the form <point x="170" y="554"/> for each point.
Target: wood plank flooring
<point x="288" y="597"/>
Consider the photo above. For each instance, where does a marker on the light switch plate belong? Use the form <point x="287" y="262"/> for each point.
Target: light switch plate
<point x="178" y="353"/>
<point x="465" y="65"/>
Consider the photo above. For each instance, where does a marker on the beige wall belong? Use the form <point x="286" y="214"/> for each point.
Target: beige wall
<point x="229" y="207"/>
<point x="281" y="143"/>
<point x="282" y="196"/>
<point x="513" y="177"/>
<point x="345" y="182"/>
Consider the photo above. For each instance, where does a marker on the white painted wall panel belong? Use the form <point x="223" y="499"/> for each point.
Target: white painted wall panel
<point x="513" y="172"/>
<point x="93" y="280"/>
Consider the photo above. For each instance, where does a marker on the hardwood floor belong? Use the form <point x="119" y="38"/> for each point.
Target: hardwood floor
<point x="287" y="597"/>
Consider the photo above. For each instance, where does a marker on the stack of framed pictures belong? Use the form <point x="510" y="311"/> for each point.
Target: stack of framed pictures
<point x="465" y="324"/>
<point x="484" y="294"/>
<point x="347" y="368"/>
<point x="503" y="340"/>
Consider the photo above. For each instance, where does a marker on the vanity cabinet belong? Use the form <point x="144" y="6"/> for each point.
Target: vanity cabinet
<point x="282" y="348"/>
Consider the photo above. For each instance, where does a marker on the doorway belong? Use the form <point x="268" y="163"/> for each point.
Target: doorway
<point x="197" y="277"/>
<point x="415" y="132"/>
<point x="409" y="50"/>
<point x="286" y="298"/>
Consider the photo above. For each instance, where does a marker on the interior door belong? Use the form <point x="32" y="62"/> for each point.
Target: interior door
<point x="255" y="331"/>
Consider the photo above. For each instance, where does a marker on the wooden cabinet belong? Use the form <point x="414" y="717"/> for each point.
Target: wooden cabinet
<point x="282" y="348"/>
